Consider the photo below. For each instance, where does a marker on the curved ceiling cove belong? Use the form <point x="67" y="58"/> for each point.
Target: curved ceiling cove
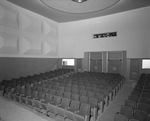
<point x="88" y="6"/>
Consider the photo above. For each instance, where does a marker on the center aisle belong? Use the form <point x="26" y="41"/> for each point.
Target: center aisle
<point x="119" y="100"/>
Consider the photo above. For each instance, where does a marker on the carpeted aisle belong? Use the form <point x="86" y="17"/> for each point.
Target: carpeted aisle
<point x="115" y="105"/>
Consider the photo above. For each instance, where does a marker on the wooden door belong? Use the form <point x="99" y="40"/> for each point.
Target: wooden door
<point x="134" y="69"/>
<point x="115" y="62"/>
<point x="95" y="65"/>
<point x="115" y="66"/>
<point x="96" y="61"/>
<point x="78" y="65"/>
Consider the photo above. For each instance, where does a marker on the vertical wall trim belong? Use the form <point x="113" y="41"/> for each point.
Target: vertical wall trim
<point x="89" y="61"/>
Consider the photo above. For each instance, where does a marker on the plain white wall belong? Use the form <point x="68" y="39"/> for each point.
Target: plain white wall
<point x="132" y="28"/>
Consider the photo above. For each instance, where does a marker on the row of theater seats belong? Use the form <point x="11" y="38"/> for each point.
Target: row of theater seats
<point x="137" y="106"/>
<point x="79" y="96"/>
<point x="37" y="77"/>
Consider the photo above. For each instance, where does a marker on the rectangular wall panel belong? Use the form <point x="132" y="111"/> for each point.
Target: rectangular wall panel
<point x="26" y="34"/>
<point x="9" y="17"/>
<point x="30" y="46"/>
<point x="31" y="24"/>
<point x="9" y="43"/>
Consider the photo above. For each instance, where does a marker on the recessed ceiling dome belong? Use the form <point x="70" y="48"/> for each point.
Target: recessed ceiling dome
<point x="71" y="6"/>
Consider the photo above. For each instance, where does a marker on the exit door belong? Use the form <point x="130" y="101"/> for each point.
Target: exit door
<point x="95" y="65"/>
<point x="116" y="62"/>
<point x="114" y="66"/>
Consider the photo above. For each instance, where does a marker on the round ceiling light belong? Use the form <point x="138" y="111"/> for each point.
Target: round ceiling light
<point x="79" y="1"/>
<point x="86" y="6"/>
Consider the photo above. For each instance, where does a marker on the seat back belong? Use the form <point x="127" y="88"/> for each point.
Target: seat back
<point x="35" y="94"/>
<point x="49" y="98"/>
<point x="67" y="95"/>
<point x="120" y="117"/>
<point x="75" y="97"/>
<point x="53" y="91"/>
<point x="133" y="98"/>
<point x="74" y="105"/>
<point x="130" y="103"/>
<point x="136" y="93"/>
<point x="84" y="109"/>
<point x="90" y="94"/>
<point x="41" y="96"/>
<point x="67" y="89"/>
<point x="99" y="96"/>
<point x="61" y="88"/>
<point x="75" y="91"/>
<point x="89" y="88"/>
<point x="146" y="90"/>
<point x="57" y="100"/>
<point x="146" y="95"/>
<point x="59" y="93"/>
<point x="140" y="115"/>
<point x="93" y="102"/>
<point x="83" y="99"/>
<point x="133" y="120"/>
<point x="144" y="107"/>
<point x="82" y="92"/>
<point x="126" y="111"/>
<point x="81" y="87"/>
<point x="46" y="90"/>
<point x="144" y="100"/>
<point x="65" y="102"/>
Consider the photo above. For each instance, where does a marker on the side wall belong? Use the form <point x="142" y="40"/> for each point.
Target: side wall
<point x="132" y="28"/>
<point x="22" y="67"/>
<point x="28" y="42"/>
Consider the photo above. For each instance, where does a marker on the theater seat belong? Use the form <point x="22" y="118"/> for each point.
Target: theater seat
<point x="60" y="109"/>
<point x="126" y="111"/>
<point x="133" y="120"/>
<point x="51" y="107"/>
<point x="93" y="102"/>
<point x="75" y="97"/>
<point x="143" y="107"/>
<point x="70" y="111"/>
<point x="130" y="103"/>
<point x="140" y="115"/>
<point x="120" y="117"/>
<point x="83" y="99"/>
<point x="84" y="113"/>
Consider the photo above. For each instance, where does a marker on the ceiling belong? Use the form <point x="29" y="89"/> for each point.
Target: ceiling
<point x="67" y="10"/>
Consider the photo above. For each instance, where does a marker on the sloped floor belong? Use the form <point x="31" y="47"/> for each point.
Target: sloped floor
<point x="12" y="111"/>
<point x="115" y="105"/>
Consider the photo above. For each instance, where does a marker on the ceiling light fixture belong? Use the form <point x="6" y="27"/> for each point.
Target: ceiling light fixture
<point x="79" y="1"/>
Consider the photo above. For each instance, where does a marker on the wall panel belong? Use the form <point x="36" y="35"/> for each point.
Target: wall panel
<point x="9" y="43"/>
<point x="26" y="34"/>
<point x="9" y="17"/>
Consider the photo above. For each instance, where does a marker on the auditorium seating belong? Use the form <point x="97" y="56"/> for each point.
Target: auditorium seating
<point x="60" y="109"/>
<point x="70" y="111"/>
<point x="83" y="114"/>
<point x="137" y="106"/>
<point x="126" y="111"/>
<point x="120" y="117"/>
<point x="63" y="93"/>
